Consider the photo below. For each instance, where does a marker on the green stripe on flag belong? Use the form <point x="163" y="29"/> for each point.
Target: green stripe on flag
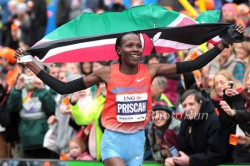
<point x="136" y="18"/>
<point x="210" y="16"/>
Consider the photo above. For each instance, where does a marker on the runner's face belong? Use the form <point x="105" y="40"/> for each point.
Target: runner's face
<point x="131" y="49"/>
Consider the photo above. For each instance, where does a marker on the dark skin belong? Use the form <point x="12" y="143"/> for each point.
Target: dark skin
<point x="130" y="52"/>
<point x="131" y="45"/>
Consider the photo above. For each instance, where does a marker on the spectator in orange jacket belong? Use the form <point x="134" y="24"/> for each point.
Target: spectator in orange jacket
<point x="9" y="67"/>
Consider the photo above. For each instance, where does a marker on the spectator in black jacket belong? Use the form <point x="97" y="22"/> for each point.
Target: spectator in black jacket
<point x="201" y="140"/>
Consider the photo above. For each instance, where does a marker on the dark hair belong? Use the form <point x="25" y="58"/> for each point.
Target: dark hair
<point x="103" y="63"/>
<point x="197" y="95"/>
<point x="162" y="105"/>
<point x="157" y="56"/>
<point x="119" y="41"/>
<point x="246" y="96"/>
<point x="81" y="68"/>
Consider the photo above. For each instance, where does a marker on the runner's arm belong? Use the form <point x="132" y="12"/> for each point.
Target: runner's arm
<point x="188" y="66"/>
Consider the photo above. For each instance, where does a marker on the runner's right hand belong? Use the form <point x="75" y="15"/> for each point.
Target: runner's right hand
<point x="19" y="54"/>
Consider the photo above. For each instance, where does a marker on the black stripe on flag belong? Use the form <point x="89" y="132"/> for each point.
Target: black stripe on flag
<point x="193" y="34"/>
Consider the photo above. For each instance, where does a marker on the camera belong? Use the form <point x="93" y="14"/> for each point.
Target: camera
<point x="231" y="84"/>
<point x="28" y="79"/>
<point x="174" y="152"/>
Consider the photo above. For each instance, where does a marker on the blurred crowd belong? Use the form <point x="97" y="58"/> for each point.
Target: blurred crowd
<point x="204" y="114"/>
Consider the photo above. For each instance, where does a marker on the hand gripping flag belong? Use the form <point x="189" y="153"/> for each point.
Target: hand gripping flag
<point x="91" y="37"/>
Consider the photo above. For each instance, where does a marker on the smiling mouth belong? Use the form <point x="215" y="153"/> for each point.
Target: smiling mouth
<point x="135" y="55"/>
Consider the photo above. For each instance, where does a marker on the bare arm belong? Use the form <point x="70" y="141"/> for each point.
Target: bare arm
<point x="100" y="75"/>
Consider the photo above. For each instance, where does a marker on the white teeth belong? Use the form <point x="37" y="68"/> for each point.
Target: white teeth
<point x="134" y="55"/>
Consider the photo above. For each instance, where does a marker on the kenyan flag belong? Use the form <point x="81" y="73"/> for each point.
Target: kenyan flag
<point x="91" y="37"/>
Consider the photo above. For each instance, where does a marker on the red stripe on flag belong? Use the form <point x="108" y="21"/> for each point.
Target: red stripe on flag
<point x="165" y="49"/>
<point x="186" y="21"/>
<point x="213" y="42"/>
<point x="148" y="45"/>
<point x="101" y="53"/>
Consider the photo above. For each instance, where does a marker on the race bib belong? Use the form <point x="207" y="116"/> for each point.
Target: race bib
<point x="131" y="107"/>
<point x="31" y="105"/>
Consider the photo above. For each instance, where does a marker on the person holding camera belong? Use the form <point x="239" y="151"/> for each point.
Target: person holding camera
<point x="163" y="131"/>
<point x="221" y="81"/>
<point x="34" y="104"/>
<point x="236" y="107"/>
<point x="201" y="140"/>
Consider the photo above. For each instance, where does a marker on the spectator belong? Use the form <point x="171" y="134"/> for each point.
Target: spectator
<point x="93" y="5"/>
<point x="54" y="71"/>
<point x="117" y="6"/>
<point x="163" y="131"/>
<point x="91" y="115"/>
<point x="96" y="66"/>
<point x="63" y="131"/>
<point x="236" y="111"/>
<point x="67" y="10"/>
<point x="23" y="22"/>
<point x="242" y="51"/>
<point x="11" y="71"/>
<point x="9" y="66"/>
<point x="6" y="38"/>
<point x="151" y="59"/>
<point x="86" y="68"/>
<point x="73" y="69"/>
<point x="244" y="13"/>
<point x="78" y="150"/>
<point x="158" y="86"/>
<point x="230" y="14"/>
<point x="228" y="61"/>
<point x="34" y="104"/>
<point x="4" y="118"/>
<point x="37" y="9"/>
<point x="201" y="140"/>
<point x="221" y="81"/>
<point x="174" y="5"/>
<point x="136" y="3"/>
<point x="4" y="15"/>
